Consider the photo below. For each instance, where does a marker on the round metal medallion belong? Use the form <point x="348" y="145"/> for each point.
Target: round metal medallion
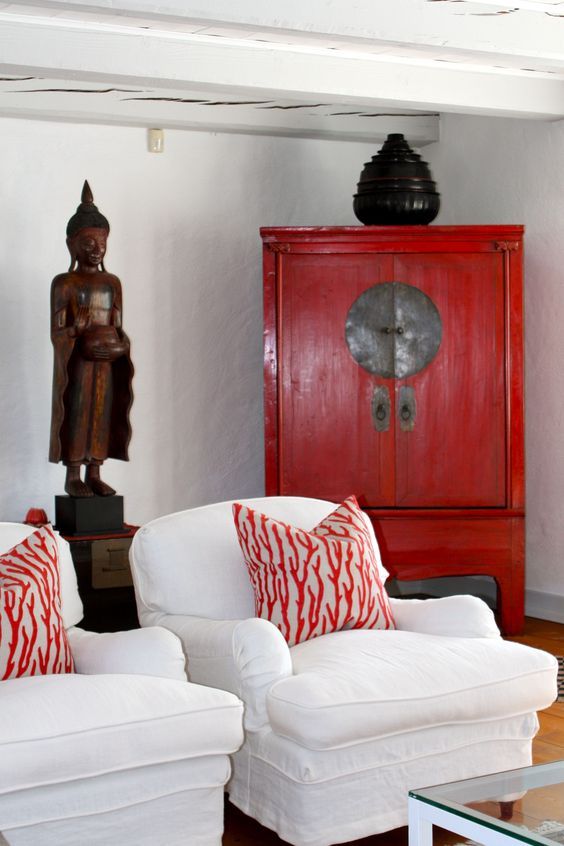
<point x="393" y="330"/>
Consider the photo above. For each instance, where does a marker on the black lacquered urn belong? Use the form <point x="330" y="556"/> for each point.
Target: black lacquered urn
<point x="396" y="187"/>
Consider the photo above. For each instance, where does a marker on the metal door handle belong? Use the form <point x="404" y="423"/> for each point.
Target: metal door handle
<point x="407" y="408"/>
<point x="381" y="409"/>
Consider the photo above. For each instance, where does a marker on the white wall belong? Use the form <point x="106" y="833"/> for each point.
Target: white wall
<point x="491" y="170"/>
<point x="186" y="246"/>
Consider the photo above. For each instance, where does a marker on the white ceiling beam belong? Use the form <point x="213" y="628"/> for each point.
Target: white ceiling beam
<point x="56" y="49"/>
<point x="527" y="29"/>
<point x="192" y="110"/>
<point x="418" y="131"/>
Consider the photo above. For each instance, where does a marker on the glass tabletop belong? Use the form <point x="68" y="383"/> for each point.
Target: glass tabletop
<point x="537" y="815"/>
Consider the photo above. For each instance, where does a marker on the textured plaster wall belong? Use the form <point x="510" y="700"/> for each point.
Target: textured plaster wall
<point x="491" y="170"/>
<point x="186" y="246"/>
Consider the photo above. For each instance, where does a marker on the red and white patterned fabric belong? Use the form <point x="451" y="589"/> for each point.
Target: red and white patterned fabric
<point x="312" y="583"/>
<point x="33" y="640"/>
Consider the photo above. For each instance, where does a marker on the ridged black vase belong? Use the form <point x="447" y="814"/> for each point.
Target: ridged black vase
<point x="396" y="187"/>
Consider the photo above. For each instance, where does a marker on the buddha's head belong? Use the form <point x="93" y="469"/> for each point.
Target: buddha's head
<point x="87" y="233"/>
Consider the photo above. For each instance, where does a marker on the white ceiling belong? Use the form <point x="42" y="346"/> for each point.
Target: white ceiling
<point x="320" y="68"/>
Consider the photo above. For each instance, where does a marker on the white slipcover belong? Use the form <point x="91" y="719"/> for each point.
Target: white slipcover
<point x="338" y="729"/>
<point x="124" y="751"/>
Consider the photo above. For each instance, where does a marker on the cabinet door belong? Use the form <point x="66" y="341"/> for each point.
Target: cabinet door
<point x="453" y="451"/>
<point x="442" y="440"/>
<point x="328" y="444"/>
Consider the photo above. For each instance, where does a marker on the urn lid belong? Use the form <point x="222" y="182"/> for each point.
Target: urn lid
<point x="396" y="186"/>
<point x="396" y="160"/>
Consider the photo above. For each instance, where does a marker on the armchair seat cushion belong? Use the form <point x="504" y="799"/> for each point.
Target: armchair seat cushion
<point x="352" y="686"/>
<point x="57" y="729"/>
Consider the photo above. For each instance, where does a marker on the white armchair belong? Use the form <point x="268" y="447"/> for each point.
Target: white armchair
<point x="339" y="728"/>
<point x="124" y="750"/>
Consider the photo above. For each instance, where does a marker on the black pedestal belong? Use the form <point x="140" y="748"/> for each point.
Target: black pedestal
<point x="89" y="515"/>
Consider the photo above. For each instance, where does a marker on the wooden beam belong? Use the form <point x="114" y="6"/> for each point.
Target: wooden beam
<point x="68" y="50"/>
<point x="196" y="110"/>
<point x="523" y="28"/>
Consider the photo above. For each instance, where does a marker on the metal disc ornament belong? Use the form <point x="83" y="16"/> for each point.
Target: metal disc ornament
<point x="393" y="330"/>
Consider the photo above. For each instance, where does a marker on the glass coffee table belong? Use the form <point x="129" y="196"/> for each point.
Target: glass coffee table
<point x="519" y="806"/>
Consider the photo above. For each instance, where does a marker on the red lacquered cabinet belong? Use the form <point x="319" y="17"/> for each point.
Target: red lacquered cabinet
<point x="394" y="371"/>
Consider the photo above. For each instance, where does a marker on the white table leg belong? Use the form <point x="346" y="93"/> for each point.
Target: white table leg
<point x="420" y="828"/>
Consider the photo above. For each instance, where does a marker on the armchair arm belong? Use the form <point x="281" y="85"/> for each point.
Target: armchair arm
<point x="243" y="656"/>
<point x="151" y="652"/>
<point x="450" y="616"/>
<point x="262" y="657"/>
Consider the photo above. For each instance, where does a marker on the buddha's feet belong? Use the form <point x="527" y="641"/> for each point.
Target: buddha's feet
<point x="100" y="488"/>
<point x="78" y="488"/>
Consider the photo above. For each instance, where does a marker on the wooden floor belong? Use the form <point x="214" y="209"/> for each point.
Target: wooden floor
<point x="548" y="746"/>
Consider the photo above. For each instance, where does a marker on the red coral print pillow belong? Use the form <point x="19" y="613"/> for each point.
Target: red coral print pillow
<point x="33" y="640"/>
<point x="312" y="583"/>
